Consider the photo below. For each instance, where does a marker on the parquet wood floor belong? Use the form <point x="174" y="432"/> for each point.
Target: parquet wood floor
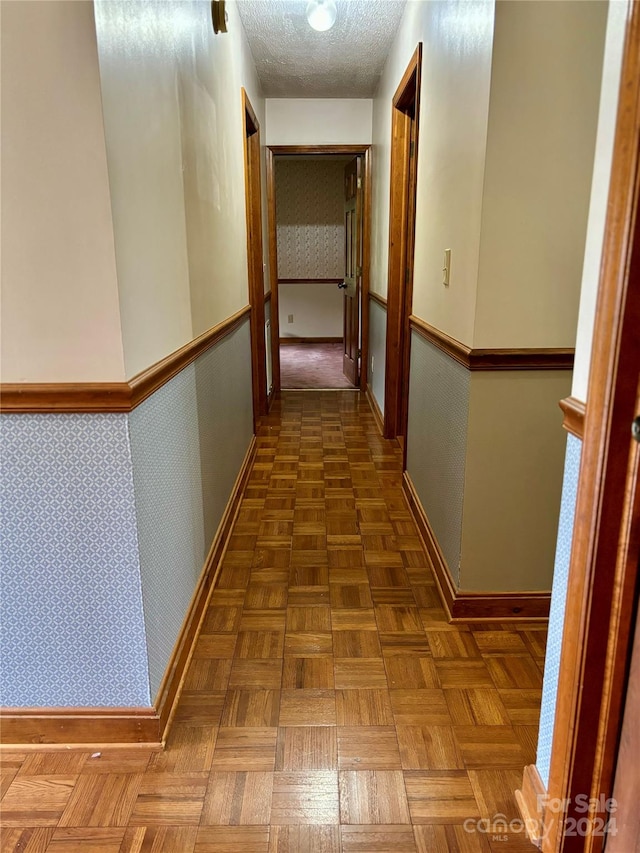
<point x="329" y="706"/>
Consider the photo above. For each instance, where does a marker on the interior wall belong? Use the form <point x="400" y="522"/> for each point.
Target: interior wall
<point x="173" y="123"/>
<point x="316" y="310"/>
<point x="310" y="238"/>
<point x="60" y="314"/>
<point x="310" y="217"/>
<point x="456" y="72"/>
<point x="377" y="351"/>
<point x="122" y="509"/>
<point x="513" y="479"/>
<point x="318" y="121"/>
<point x="540" y="147"/>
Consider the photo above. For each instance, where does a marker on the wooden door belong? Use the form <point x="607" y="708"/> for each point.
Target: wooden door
<point x="625" y="816"/>
<point x="352" y="284"/>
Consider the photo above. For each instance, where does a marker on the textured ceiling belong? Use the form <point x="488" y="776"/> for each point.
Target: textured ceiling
<point x="294" y="61"/>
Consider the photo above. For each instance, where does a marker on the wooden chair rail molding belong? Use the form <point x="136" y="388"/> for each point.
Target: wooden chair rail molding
<point x="574" y="412"/>
<point x="376" y="297"/>
<point x="462" y="606"/>
<point x="59" y="397"/>
<point x="531" y="358"/>
<point x="38" y="727"/>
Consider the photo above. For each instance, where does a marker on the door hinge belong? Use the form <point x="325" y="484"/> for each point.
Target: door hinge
<point x="406" y="275"/>
<point x="359" y="353"/>
<point x="358" y="271"/>
<point x="412" y="146"/>
<point x="359" y="183"/>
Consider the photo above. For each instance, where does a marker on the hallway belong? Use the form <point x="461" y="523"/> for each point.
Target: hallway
<point x="329" y="706"/>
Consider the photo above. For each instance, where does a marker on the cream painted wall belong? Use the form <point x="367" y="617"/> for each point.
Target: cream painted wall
<point x="513" y="479"/>
<point x="614" y="45"/>
<point x="457" y="44"/>
<point x="60" y="320"/>
<point x="318" y="121"/>
<point x="545" y="81"/>
<point x="173" y="122"/>
<point x="316" y="310"/>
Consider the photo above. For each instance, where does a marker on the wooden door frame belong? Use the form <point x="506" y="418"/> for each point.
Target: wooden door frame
<point x="603" y="575"/>
<point x="402" y="223"/>
<point x="253" y="209"/>
<point x="274" y="151"/>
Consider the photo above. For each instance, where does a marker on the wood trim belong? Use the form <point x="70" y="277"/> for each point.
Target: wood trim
<point x="603" y="572"/>
<point x="375" y="408"/>
<point x="465" y="606"/>
<point x="530" y="800"/>
<point x="405" y="114"/>
<point x="529" y="605"/>
<point x="273" y="269"/>
<point x="255" y="257"/>
<point x="303" y="150"/>
<point x="574" y="413"/>
<point x="59" y="397"/>
<point x="287" y="341"/>
<point x="438" y="563"/>
<point x="80" y="726"/>
<point x="310" y="280"/>
<point x="531" y="358"/>
<point x="147" y="382"/>
<point x="381" y="300"/>
<point x="453" y="348"/>
<point x="135" y="725"/>
<point x="171" y="685"/>
<point x="366" y="270"/>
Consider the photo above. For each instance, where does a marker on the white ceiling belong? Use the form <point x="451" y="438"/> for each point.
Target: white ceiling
<point x="294" y="61"/>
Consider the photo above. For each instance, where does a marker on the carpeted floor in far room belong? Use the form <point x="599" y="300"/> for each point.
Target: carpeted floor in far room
<point x="304" y="366"/>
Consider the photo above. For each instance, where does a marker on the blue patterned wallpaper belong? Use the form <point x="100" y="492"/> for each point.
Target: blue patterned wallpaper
<point x="377" y="350"/>
<point x="558" y="605"/>
<point x="187" y="441"/>
<point x="106" y="522"/>
<point x="437" y="442"/>
<point x="71" y="623"/>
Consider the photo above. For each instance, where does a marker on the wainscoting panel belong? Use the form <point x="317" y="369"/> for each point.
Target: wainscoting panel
<point x="377" y="350"/>
<point x="70" y="571"/>
<point x="188" y="441"/>
<point x="437" y="438"/>
<point x="558" y="605"/>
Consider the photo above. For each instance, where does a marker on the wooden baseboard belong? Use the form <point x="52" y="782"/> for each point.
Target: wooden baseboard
<point x="375" y="408"/>
<point x="530" y="800"/>
<point x="62" y="726"/>
<point x="171" y="686"/>
<point x="443" y="578"/>
<point x="463" y="606"/>
<point x="288" y="341"/>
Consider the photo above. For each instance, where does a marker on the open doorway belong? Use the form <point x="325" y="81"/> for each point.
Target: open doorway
<point x="319" y="245"/>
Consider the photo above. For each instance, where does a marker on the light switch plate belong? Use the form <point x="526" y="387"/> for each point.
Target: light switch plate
<point x="446" y="269"/>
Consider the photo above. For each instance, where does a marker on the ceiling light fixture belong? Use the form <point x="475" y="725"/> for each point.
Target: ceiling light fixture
<point x="321" y="14"/>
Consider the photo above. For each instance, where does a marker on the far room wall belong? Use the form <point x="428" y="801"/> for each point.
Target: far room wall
<point x="310" y="239"/>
